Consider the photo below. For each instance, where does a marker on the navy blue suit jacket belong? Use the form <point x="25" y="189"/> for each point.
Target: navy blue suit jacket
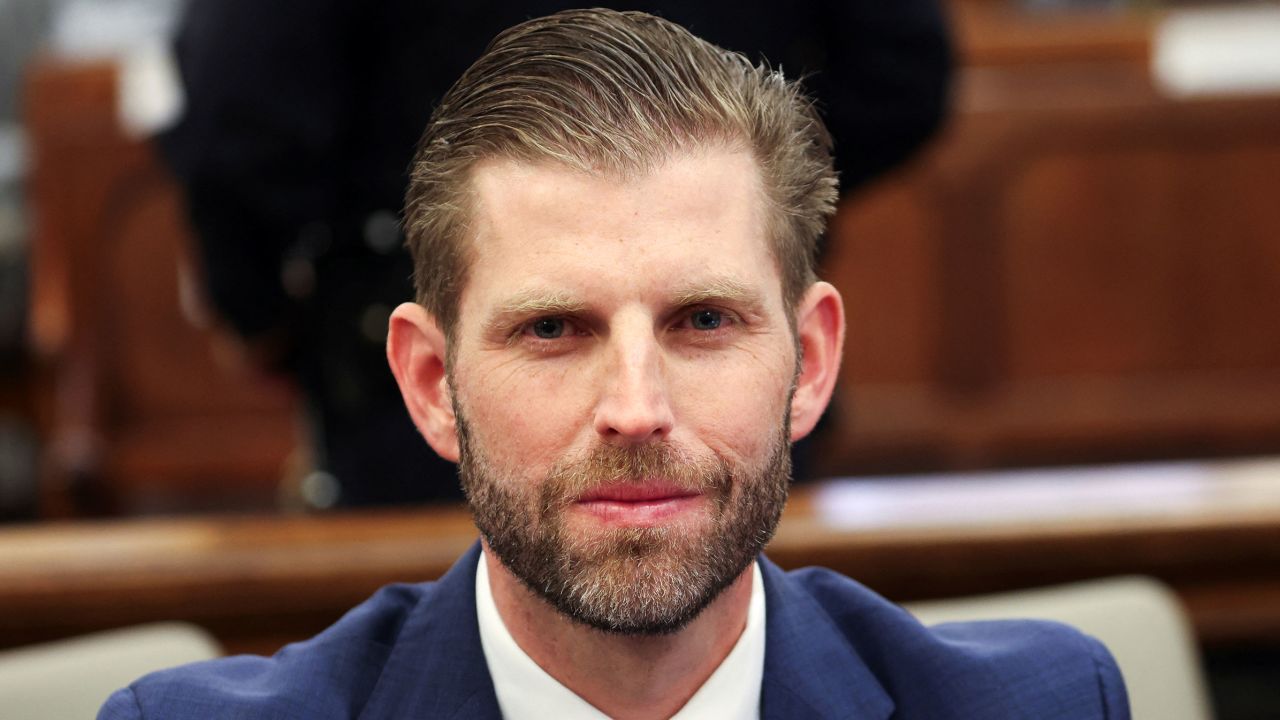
<point x="833" y="649"/>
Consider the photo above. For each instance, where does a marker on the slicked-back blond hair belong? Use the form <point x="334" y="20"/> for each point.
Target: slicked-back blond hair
<point x="613" y="92"/>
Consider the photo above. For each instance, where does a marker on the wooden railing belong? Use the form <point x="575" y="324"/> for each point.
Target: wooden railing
<point x="258" y="582"/>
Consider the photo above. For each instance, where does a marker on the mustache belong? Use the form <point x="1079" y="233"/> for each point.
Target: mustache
<point x="608" y="465"/>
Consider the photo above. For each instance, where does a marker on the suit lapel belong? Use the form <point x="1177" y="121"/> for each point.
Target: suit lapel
<point x="437" y="668"/>
<point x="810" y="669"/>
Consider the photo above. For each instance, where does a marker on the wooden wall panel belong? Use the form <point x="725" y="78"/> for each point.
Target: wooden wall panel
<point x="1079" y="269"/>
<point x="885" y="264"/>
<point x="1143" y="261"/>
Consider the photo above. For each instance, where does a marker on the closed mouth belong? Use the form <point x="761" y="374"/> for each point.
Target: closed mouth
<point x="642" y="492"/>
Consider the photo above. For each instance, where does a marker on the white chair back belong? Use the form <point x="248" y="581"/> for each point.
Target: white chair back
<point x="1139" y="619"/>
<point x="72" y="678"/>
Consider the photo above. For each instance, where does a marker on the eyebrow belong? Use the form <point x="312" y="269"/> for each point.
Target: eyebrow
<point x="530" y="303"/>
<point x="718" y="290"/>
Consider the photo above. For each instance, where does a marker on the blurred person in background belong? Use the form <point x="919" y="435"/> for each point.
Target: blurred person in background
<point x="301" y="120"/>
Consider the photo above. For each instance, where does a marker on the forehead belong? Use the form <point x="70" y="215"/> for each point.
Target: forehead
<point x="546" y="226"/>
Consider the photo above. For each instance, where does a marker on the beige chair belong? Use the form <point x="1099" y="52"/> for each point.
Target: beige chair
<point x="72" y="678"/>
<point x="1139" y="620"/>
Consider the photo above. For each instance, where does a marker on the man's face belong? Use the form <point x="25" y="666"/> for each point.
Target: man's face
<point x="621" y="374"/>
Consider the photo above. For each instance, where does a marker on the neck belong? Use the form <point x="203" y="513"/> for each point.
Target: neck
<point x="622" y="676"/>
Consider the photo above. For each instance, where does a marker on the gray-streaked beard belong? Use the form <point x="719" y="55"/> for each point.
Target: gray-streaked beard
<point x="632" y="581"/>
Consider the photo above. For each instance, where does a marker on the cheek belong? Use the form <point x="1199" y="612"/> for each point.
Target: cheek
<point x="738" y="415"/>
<point x="524" y="417"/>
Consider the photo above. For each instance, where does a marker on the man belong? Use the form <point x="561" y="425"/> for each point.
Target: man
<point x="618" y="334"/>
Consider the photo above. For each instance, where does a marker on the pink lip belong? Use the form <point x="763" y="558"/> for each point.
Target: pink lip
<point x="636" y="493"/>
<point x="638" y="505"/>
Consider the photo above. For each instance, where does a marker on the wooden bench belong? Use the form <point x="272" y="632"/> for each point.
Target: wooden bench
<point x="258" y="582"/>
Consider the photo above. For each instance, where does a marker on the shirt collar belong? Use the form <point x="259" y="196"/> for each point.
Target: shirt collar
<point x="525" y="690"/>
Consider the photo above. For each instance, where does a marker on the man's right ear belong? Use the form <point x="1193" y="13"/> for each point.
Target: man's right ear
<point x="416" y="352"/>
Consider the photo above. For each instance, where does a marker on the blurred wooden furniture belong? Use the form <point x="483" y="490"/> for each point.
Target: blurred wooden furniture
<point x="143" y="416"/>
<point x="259" y="582"/>
<point x="1080" y="269"/>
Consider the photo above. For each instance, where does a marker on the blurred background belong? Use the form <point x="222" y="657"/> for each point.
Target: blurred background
<point x="1059" y="248"/>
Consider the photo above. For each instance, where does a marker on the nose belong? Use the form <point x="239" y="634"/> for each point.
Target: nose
<point x="634" y="404"/>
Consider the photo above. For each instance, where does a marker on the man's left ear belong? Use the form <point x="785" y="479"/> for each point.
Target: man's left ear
<point x="820" y="329"/>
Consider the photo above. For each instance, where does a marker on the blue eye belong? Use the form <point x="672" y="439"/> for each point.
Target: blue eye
<point x="706" y="320"/>
<point x="548" y="328"/>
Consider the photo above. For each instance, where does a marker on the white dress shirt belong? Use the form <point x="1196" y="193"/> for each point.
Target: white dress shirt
<point x="526" y="691"/>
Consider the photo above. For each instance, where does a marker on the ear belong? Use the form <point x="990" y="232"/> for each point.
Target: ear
<point x="820" y="330"/>
<point x="416" y="352"/>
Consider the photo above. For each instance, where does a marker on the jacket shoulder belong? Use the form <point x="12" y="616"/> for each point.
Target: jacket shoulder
<point x="994" y="668"/>
<point x="329" y="676"/>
